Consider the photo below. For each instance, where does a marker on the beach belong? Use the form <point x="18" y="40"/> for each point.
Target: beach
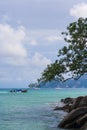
<point x="34" y="110"/>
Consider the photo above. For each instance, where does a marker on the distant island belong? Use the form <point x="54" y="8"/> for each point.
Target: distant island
<point x="80" y="83"/>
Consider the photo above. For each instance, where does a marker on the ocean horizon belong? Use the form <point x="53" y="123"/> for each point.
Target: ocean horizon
<point x="34" y="110"/>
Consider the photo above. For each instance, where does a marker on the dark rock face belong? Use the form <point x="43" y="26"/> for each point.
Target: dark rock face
<point x="66" y="108"/>
<point x="67" y="104"/>
<point x="67" y="100"/>
<point x="73" y="119"/>
<point x="77" y="112"/>
<point x="76" y="102"/>
<point x="83" y="102"/>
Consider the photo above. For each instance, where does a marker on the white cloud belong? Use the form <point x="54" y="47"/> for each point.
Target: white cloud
<point x="13" y="50"/>
<point x="79" y="10"/>
<point x="15" y="57"/>
<point x="33" y="42"/>
<point x="43" y="36"/>
<point x="53" y="38"/>
<point x="11" y="41"/>
<point x="40" y="60"/>
<point x="30" y="69"/>
<point x="16" y="61"/>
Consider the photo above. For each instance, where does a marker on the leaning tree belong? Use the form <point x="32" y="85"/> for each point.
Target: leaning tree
<point x="72" y="59"/>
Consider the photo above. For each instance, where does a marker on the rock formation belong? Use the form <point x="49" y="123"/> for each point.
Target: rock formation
<point x="77" y="112"/>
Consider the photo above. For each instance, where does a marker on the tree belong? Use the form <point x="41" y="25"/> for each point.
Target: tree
<point x="72" y="59"/>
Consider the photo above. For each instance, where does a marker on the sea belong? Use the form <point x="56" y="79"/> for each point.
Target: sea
<point x="34" y="110"/>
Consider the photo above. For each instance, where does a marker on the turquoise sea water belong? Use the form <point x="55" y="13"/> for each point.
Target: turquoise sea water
<point x="33" y="110"/>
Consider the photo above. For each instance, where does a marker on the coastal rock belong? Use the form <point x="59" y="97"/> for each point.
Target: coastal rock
<point x="83" y="102"/>
<point x="76" y="102"/>
<point x="81" y="121"/>
<point x="66" y="108"/>
<point x="72" y="103"/>
<point x="73" y="119"/>
<point x="67" y="100"/>
<point x="77" y="112"/>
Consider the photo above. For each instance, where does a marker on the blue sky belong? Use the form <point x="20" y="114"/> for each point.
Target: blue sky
<point x="30" y="36"/>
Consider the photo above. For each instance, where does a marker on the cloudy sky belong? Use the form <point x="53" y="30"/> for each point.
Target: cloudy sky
<point x="30" y="36"/>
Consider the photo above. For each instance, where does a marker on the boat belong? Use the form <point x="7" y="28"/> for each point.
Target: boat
<point x="58" y="88"/>
<point x="18" y="90"/>
<point x="24" y="91"/>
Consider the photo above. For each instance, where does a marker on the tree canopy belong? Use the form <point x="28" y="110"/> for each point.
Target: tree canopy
<point x="72" y="59"/>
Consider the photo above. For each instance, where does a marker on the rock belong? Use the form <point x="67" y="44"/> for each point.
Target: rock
<point x="80" y="102"/>
<point x="83" y="102"/>
<point x="71" y="125"/>
<point x="66" y="108"/>
<point x="82" y="120"/>
<point x="67" y="100"/>
<point x="77" y="102"/>
<point x="77" y="116"/>
<point x="57" y="108"/>
<point x="67" y="104"/>
<point x="72" y="119"/>
<point x="84" y="127"/>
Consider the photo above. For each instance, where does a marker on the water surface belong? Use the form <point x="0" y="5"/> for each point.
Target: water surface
<point x="33" y="110"/>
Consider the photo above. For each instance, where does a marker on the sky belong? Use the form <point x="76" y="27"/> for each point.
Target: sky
<point x="30" y="36"/>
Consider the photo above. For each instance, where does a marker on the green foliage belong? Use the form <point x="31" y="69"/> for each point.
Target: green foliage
<point x="53" y="71"/>
<point x="72" y="59"/>
<point x="33" y="85"/>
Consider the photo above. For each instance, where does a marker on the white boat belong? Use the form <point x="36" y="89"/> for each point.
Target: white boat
<point x="58" y="88"/>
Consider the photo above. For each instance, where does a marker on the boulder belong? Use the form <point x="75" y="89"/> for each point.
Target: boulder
<point x="67" y="100"/>
<point x="77" y="102"/>
<point x="66" y="108"/>
<point x="72" y="119"/>
<point x="83" y="102"/>
<point x="82" y="120"/>
<point x="77" y="112"/>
